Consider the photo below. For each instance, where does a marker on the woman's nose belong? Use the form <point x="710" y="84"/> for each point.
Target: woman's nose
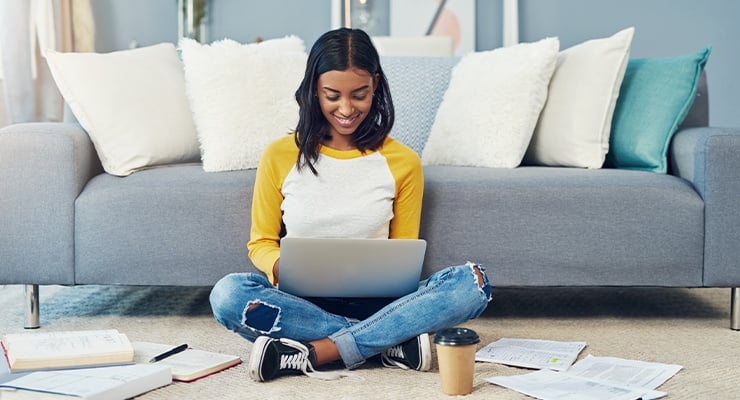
<point x="345" y="108"/>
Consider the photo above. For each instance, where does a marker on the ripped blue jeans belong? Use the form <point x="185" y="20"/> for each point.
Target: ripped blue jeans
<point x="360" y="328"/>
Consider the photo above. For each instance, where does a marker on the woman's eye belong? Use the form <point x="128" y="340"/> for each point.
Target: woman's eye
<point x="358" y="97"/>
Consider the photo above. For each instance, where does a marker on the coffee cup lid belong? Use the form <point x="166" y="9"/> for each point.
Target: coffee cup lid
<point x="456" y="337"/>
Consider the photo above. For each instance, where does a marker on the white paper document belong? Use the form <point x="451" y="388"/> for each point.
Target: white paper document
<point x="105" y="383"/>
<point x="552" y="385"/>
<point x="597" y="378"/>
<point x="531" y="353"/>
<point x="631" y="373"/>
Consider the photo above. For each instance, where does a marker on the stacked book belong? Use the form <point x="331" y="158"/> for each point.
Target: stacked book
<point x="96" y="364"/>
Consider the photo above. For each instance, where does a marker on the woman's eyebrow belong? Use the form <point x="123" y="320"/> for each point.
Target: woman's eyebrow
<point x="359" y="89"/>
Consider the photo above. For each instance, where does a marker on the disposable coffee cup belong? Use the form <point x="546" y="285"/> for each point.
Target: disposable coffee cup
<point x="456" y="349"/>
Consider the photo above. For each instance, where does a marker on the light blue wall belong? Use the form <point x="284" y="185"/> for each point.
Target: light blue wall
<point x="662" y="28"/>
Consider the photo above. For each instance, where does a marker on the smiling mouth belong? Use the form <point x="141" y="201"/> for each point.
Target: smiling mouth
<point x="346" y="122"/>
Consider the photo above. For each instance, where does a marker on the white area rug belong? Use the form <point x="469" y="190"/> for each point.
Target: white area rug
<point x="689" y="327"/>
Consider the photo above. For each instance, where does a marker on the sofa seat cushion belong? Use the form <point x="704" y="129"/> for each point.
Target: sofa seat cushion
<point x="175" y="225"/>
<point x="545" y="226"/>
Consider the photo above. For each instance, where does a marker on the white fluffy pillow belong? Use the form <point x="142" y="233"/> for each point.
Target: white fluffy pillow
<point x="132" y="104"/>
<point x="491" y="106"/>
<point x="242" y="97"/>
<point x="575" y="124"/>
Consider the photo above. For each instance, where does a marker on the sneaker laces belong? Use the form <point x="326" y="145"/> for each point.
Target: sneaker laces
<point x="388" y="357"/>
<point x="299" y="361"/>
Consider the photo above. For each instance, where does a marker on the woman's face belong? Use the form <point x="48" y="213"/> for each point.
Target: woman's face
<point x="346" y="98"/>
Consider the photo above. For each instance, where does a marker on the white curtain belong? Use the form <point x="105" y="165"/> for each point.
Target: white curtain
<point x="27" y="29"/>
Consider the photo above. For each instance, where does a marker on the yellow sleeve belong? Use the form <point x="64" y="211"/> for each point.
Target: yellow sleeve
<point x="264" y="238"/>
<point x="406" y="169"/>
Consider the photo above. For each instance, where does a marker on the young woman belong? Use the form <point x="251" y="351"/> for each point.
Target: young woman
<point x="340" y="175"/>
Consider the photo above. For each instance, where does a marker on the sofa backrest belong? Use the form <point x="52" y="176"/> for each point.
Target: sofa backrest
<point x="418" y="85"/>
<point x="699" y="112"/>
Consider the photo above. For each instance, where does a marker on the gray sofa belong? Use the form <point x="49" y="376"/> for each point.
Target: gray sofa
<point x="64" y="221"/>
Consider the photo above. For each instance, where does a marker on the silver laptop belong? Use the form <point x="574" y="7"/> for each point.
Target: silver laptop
<point x="319" y="267"/>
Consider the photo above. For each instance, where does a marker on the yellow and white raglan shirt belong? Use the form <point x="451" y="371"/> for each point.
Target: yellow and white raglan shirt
<point x="372" y="195"/>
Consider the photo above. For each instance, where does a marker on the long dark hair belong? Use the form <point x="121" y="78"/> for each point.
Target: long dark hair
<point x="339" y="50"/>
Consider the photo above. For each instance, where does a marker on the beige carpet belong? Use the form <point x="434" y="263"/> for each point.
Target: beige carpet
<point x="689" y="327"/>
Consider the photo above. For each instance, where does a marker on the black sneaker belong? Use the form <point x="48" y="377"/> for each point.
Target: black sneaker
<point x="415" y="354"/>
<point x="272" y="358"/>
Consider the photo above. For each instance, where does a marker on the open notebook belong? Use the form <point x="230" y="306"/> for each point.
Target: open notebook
<point x="186" y="366"/>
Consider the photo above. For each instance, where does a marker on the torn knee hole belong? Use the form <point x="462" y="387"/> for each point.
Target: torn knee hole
<point x="480" y="279"/>
<point x="261" y="317"/>
<point x="479" y="276"/>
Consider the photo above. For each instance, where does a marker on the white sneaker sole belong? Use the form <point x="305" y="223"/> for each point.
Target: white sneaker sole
<point x="256" y="356"/>
<point x="426" y="352"/>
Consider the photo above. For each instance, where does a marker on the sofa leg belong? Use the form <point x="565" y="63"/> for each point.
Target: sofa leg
<point x="32" y="307"/>
<point x="735" y="309"/>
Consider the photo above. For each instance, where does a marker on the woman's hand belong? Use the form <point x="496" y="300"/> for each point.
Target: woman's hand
<point x="276" y="272"/>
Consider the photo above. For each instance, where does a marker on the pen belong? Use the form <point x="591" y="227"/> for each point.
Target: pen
<point x="168" y="353"/>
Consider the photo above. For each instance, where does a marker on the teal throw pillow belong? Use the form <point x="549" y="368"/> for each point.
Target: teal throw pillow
<point x="655" y="96"/>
